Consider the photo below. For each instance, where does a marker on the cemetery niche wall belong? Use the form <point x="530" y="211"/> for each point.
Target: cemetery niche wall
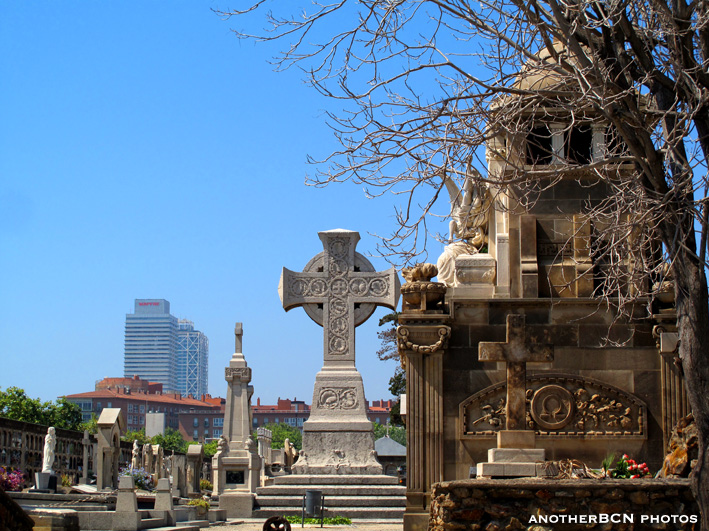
<point x="606" y="384"/>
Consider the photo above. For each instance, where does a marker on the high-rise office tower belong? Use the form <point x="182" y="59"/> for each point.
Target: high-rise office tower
<point x="192" y="359"/>
<point x="156" y="349"/>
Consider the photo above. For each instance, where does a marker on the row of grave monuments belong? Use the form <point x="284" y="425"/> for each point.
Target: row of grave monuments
<point x="184" y="469"/>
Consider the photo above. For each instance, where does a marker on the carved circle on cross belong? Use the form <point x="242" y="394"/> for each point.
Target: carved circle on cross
<point x="378" y="287"/>
<point x="318" y="287"/>
<point x="338" y="248"/>
<point x="358" y="286"/>
<point x="338" y="345"/>
<point x="362" y="311"/>
<point x="338" y="287"/>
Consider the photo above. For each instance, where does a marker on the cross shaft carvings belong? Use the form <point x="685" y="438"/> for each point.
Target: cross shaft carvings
<point x="339" y="289"/>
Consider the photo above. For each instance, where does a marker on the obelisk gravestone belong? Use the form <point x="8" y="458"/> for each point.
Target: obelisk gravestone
<point x="339" y="290"/>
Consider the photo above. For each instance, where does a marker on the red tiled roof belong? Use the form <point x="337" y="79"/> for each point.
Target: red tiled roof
<point x="145" y="397"/>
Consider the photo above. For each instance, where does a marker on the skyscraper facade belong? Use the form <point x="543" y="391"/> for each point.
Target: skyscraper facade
<point x="156" y="349"/>
<point x="192" y="359"/>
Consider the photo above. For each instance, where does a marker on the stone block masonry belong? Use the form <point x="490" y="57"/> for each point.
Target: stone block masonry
<point x="560" y="505"/>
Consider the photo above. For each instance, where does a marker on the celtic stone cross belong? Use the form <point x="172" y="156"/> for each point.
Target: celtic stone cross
<point x="339" y="290"/>
<point x="516" y="352"/>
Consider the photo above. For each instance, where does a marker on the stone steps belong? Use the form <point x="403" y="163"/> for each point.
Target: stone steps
<point x="151" y="523"/>
<point x="333" y="490"/>
<point x="333" y="501"/>
<point x="374" y="513"/>
<point x="305" y="479"/>
<point x="369" y="497"/>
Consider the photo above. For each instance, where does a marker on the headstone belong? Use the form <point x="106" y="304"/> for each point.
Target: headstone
<point x="158" y="462"/>
<point x="264" y="438"/>
<point x="126" y="517"/>
<point x="195" y="456"/>
<point x="109" y="424"/>
<point x="237" y="463"/>
<point x="515" y="454"/>
<point x="339" y="290"/>
<point x="163" y="501"/>
<point x="86" y="442"/>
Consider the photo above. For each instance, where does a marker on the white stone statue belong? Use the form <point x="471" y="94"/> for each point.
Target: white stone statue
<point x="469" y="220"/>
<point x="50" y="443"/>
<point x="135" y="461"/>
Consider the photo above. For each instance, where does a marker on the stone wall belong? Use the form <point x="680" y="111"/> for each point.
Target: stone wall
<point x="577" y="330"/>
<point x="22" y="446"/>
<point x="545" y="505"/>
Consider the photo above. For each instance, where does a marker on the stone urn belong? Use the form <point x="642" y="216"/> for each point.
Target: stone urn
<point x="419" y="293"/>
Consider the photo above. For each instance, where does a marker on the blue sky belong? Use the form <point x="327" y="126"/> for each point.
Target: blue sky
<point x="146" y="152"/>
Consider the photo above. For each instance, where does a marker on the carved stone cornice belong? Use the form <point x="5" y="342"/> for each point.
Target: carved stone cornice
<point x="242" y="374"/>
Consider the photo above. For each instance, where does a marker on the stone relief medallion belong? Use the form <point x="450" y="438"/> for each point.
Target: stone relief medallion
<point x="338" y="398"/>
<point x="338" y="267"/>
<point x="558" y="405"/>
<point x="338" y="346"/>
<point x="552" y="407"/>
<point x="378" y="287"/>
<point x="358" y="286"/>
<point x="338" y="307"/>
<point x="298" y="287"/>
<point x="338" y="248"/>
<point x="338" y="325"/>
<point x="348" y="399"/>
<point x="318" y="287"/>
<point x="328" y="399"/>
<point x="338" y="287"/>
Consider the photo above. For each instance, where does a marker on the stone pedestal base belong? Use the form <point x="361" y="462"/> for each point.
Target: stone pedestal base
<point x="41" y="480"/>
<point x="513" y="462"/>
<point x="516" y="439"/>
<point x="338" y="438"/>
<point x="237" y="504"/>
<point x="339" y="453"/>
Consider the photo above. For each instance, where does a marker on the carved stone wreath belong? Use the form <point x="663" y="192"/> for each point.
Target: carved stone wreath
<point x="338" y="398"/>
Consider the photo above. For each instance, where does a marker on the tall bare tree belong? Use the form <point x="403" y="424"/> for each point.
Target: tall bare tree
<point x="423" y="84"/>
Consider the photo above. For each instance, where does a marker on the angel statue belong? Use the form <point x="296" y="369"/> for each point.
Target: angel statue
<point x="469" y="221"/>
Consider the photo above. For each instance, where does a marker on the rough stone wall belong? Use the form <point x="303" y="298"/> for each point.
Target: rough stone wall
<point x="496" y="505"/>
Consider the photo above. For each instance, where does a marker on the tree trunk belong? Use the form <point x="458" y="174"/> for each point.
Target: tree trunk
<point x="693" y="325"/>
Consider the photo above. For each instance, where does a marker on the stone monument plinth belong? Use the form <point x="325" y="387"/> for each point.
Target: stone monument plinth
<point x="237" y="465"/>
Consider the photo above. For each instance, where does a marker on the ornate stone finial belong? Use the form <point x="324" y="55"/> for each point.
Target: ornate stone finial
<point x="420" y="294"/>
<point x="238" y="335"/>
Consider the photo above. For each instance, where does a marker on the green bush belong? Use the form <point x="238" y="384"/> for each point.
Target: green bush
<point x="205" y="484"/>
<point x="199" y="502"/>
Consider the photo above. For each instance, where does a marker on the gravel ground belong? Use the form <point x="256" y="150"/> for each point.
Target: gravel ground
<point x="256" y="524"/>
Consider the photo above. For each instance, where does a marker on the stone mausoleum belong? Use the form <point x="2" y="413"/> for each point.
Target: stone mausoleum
<point x="521" y="281"/>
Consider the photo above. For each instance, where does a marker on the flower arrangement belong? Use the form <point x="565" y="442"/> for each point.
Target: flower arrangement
<point x="206" y="485"/>
<point x="625" y="468"/>
<point x="201" y="504"/>
<point x="11" y="480"/>
<point x="141" y="477"/>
